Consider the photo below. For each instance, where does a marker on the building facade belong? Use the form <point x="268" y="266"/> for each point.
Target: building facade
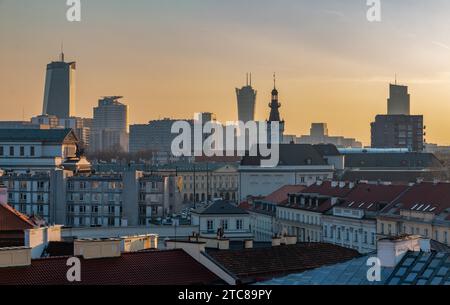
<point x="398" y="131"/>
<point x="234" y="221"/>
<point x="110" y="125"/>
<point x="298" y="165"/>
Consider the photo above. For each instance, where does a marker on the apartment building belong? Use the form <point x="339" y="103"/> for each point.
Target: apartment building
<point x="424" y="209"/>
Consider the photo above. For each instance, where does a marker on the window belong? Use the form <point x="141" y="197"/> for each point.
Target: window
<point x="224" y="224"/>
<point x="32" y="152"/>
<point x="356" y="237"/>
<point x="95" y="209"/>
<point x="239" y="224"/>
<point x="82" y="209"/>
<point x="373" y="239"/>
<point x="22" y="151"/>
<point x="1" y="151"/>
<point x="382" y="228"/>
<point x="365" y="237"/>
<point x="210" y="225"/>
<point x="325" y="231"/>
<point x="11" y="151"/>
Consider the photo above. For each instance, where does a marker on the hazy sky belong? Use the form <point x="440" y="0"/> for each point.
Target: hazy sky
<point x="171" y="58"/>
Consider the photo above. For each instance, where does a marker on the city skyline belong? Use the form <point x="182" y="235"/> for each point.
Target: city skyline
<point x="328" y="59"/>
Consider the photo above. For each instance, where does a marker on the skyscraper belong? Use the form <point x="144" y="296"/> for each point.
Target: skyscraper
<point x="110" y="125"/>
<point x="399" y="100"/>
<point x="246" y="100"/>
<point x="59" y="93"/>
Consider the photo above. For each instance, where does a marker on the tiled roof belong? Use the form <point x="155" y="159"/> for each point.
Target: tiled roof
<point x="291" y="155"/>
<point x="352" y="272"/>
<point x="423" y="197"/>
<point x="372" y="197"/>
<point x="174" y="267"/>
<point x="281" y="195"/>
<point x="35" y="135"/>
<point x="259" y="264"/>
<point x="218" y="208"/>
<point x="13" y="220"/>
<point x="326" y="188"/>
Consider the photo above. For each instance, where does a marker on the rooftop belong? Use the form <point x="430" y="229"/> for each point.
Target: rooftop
<point x="258" y="264"/>
<point x="37" y="135"/>
<point x="219" y="208"/>
<point x="173" y="267"/>
<point x="291" y="155"/>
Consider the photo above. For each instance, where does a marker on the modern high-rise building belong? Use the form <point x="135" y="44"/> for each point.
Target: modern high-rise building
<point x="59" y="93"/>
<point x="110" y="125"/>
<point x="398" y="131"/>
<point x="246" y="100"/>
<point x="399" y="100"/>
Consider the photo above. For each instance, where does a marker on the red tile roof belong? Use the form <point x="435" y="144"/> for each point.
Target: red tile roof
<point x="245" y="205"/>
<point x="174" y="267"/>
<point x="13" y="220"/>
<point x="425" y="197"/>
<point x="371" y="197"/>
<point x="281" y="195"/>
<point x="259" y="264"/>
<point x="326" y="188"/>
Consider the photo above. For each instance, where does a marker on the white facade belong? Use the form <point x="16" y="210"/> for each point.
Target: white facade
<point x="348" y="228"/>
<point x="258" y="181"/>
<point x="305" y="225"/>
<point x="235" y="226"/>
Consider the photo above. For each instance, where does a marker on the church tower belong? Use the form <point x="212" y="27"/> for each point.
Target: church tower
<point x="275" y="105"/>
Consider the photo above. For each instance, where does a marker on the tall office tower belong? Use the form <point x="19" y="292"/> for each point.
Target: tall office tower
<point x="246" y="100"/>
<point x="59" y="94"/>
<point x="399" y="100"/>
<point x="398" y="131"/>
<point x="110" y="125"/>
<point x="319" y="130"/>
<point x="275" y="105"/>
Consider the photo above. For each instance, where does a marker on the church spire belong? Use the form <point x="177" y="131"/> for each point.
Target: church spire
<point x="274" y="104"/>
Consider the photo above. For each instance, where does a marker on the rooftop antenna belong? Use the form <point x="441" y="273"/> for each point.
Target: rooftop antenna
<point x="250" y="79"/>
<point x="395" y="78"/>
<point x="246" y="75"/>
<point x="274" y="80"/>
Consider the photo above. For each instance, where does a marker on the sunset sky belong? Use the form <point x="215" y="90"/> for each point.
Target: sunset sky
<point x="171" y="58"/>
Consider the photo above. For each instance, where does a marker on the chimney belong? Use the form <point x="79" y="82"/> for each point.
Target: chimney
<point x="15" y="257"/>
<point x="276" y="241"/>
<point x="139" y="243"/>
<point x="425" y="245"/>
<point x="3" y="194"/>
<point x="97" y="248"/>
<point x="248" y="244"/>
<point x="392" y="250"/>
